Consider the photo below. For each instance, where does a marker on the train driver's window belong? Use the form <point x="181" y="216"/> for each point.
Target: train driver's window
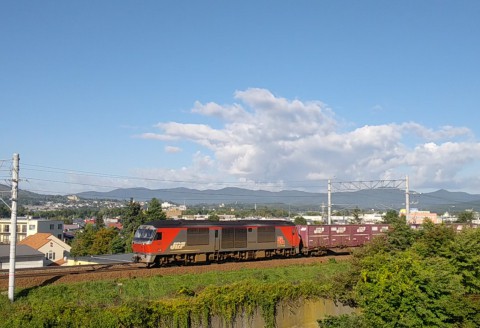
<point x="158" y="236"/>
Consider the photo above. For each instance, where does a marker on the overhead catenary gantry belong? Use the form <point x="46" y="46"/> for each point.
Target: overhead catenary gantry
<point x="339" y="186"/>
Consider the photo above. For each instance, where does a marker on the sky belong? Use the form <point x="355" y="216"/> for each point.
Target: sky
<point x="271" y="95"/>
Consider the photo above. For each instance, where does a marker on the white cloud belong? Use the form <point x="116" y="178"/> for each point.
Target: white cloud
<point x="172" y="149"/>
<point x="269" y="141"/>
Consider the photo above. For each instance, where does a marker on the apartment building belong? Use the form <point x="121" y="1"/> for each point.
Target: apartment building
<point x="27" y="226"/>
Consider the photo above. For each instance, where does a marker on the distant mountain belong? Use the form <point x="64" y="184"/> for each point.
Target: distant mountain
<point x="28" y="197"/>
<point x="387" y="198"/>
<point x="379" y="199"/>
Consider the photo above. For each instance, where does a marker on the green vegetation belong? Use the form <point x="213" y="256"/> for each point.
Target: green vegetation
<point x="169" y="301"/>
<point x="300" y="220"/>
<point x="95" y="240"/>
<point x="424" y="278"/>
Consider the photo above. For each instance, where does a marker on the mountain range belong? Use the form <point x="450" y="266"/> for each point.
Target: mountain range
<point x="379" y="199"/>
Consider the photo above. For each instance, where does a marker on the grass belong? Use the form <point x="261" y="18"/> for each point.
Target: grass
<point x="176" y="299"/>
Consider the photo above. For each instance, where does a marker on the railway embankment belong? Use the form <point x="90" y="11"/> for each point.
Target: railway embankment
<point x="195" y="296"/>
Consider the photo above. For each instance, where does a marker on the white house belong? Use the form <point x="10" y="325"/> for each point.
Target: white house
<point x="25" y="257"/>
<point x="53" y="249"/>
<point x="27" y="226"/>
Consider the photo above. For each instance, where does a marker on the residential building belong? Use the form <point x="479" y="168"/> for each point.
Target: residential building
<point x="419" y="217"/>
<point x="27" y="226"/>
<point x="25" y="257"/>
<point x="53" y="249"/>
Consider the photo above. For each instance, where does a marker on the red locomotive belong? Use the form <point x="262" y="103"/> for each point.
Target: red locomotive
<point x="189" y="241"/>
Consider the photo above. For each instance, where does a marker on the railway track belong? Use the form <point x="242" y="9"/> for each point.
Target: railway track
<point x="70" y="270"/>
<point x="32" y="278"/>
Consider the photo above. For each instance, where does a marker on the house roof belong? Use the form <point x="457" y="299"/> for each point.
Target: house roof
<point x="37" y="240"/>
<point x="21" y="251"/>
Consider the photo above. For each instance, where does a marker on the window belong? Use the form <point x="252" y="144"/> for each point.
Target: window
<point x="158" y="236"/>
<point x="6" y="228"/>
<point x="50" y="256"/>
<point x="59" y="226"/>
<point x="31" y="227"/>
<point x="52" y="226"/>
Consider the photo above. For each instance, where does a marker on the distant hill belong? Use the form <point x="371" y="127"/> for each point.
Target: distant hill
<point x="27" y="197"/>
<point x="441" y="200"/>
<point x="378" y="199"/>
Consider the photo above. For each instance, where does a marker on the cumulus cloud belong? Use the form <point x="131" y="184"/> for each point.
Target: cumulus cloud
<point x="267" y="141"/>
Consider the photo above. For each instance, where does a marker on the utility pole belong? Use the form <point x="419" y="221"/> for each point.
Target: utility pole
<point x="13" y="228"/>
<point x="407" y="199"/>
<point x="329" y="200"/>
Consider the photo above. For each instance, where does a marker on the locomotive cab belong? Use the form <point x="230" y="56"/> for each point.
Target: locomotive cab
<point x="145" y="241"/>
<point x="145" y="235"/>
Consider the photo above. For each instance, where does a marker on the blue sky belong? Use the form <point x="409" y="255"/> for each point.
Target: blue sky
<point x="255" y="94"/>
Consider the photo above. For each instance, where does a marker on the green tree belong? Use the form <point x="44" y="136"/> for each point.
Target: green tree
<point x="4" y="211"/>
<point x="300" y="220"/>
<point x="356" y="215"/>
<point x="213" y="217"/>
<point x="132" y="217"/>
<point x="117" y="246"/>
<point x="102" y="243"/>
<point x="83" y="241"/>
<point x="400" y="236"/>
<point x="405" y="290"/>
<point x="464" y="254"/>
<point x="434" y="240"/>
<point x="465" y="217"/>
<point x="390" y="216"/>
<point x="154" y="211"/>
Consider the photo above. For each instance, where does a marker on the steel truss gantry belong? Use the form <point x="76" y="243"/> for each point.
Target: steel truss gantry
<point x="339" y="186"/>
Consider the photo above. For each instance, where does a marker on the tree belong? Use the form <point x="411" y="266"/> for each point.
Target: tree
<point x="131" y="220"/>
<point x="4" y="211"/>
<point x="132" y="217"/>
<point x="400" y="236"/>
<point x="300" y="220"/>
<point x="465" y="217"/>
<point x="390" y="217"/>
<point x="83" y="241"/>
<point x="213" y="217"/>
<point x="404" y="290"/>
<point x="102" y="243"/>
<point x="154" y="211"/>
<point x="356" y="215"/>
<point x="464" y="254"/>
<point x="117" y="246"/>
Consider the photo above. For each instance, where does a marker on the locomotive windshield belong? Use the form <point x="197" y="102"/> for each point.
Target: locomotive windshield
<point x="144" y="234"/>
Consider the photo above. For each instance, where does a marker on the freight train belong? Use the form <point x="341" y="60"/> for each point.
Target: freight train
<point x="188" y="241"/>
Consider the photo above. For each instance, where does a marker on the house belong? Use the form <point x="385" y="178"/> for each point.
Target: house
<point x="419" y="217"/>
<point x="25" y="257"/>
<point x="27" y="226"/>
<point x="54" y="250"/>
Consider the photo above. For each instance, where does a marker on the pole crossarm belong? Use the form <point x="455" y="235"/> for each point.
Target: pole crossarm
<point x="339" y="186"/>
